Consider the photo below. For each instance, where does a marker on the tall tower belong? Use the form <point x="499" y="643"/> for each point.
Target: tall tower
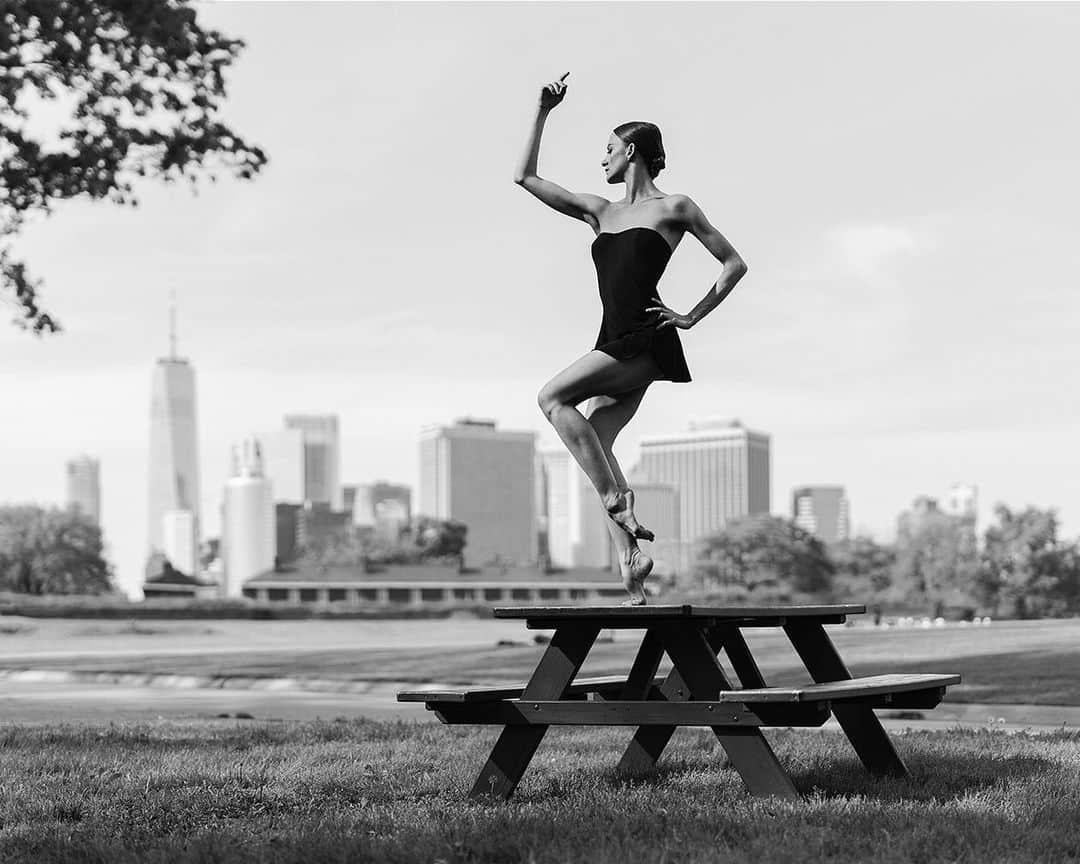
<point x="472" y="472"/>
<point x="174" y="454"/>
<point x="84" y="486"/>
<point x="248" y="525"/>
<point x="823" y="511"/>
<point x="322" y="457"/>
<point x="720" y="469"/>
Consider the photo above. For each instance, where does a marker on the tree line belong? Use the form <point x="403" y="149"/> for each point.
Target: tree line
<point x="1021" y="568"/>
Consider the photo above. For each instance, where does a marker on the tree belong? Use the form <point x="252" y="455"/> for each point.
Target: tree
<point x="51" y="551"/>
<point x="1025" y="569"/>
<point x="142" y="84"/>
<point x="765" y="553"/>
<point x="863" y="568"/>
<point x="935" y="564"/>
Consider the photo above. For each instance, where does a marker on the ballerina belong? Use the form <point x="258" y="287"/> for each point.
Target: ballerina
<point x="638" y="342"/>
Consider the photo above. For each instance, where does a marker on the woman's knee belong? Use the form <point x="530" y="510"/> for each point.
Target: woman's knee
<point x="548" y="400"/>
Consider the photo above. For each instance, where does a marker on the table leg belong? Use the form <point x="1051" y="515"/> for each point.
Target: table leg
<point x="643" y="671"/>
<point x="695" y="659"/>
<point x="738" y="652"/>
<point x="516" y="745"/>
<point x="859" y="722"/>
<point x="649" y="742"/>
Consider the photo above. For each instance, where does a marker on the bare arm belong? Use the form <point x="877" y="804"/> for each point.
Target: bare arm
<point x="724" y="252"/>
<point x="577" y="204"/>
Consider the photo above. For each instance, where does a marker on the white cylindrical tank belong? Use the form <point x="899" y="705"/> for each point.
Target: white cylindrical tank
<point x="248" y="527"/>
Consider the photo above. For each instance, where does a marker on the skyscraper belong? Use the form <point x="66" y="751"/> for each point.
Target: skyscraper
<point x="248" y="524"/>
<point x="823" y="511"/>
<point x="721" y="470"/>
<point x="322" y="457"/>
<point x="577" y="534"/>
<point x="84" y="486"/>
<point x="283" y="464"/>
<point x="174" y="454"/>
<point x="473" y="473"/>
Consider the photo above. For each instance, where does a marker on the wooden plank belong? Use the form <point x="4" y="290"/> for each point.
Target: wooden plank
<point x="581" y="686"/>
<point x="642" y="677"/>
<point x="649" y="741"/>
<point x="639" y="623"/>
<point x="525" y="712"/>
<point x="850" y="688"/>
<point x="862" y="727"/>
<point x="563" y="613"/>
<point x="731" y="641"/>
<point x="516" y="745"/>
<point x="695" y="659"/>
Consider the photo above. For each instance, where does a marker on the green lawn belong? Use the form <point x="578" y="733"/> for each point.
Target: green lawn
<point x="363" y="791"/>
<point x="1008" y="662"/>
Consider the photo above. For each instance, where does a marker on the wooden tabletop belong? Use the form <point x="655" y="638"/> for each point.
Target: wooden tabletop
<point x="642" y="616"/>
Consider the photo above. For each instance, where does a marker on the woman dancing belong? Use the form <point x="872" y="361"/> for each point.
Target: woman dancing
<point x="638" y="342"/>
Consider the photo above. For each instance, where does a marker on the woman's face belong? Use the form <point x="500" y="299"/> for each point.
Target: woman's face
<point x="615" y="159"/>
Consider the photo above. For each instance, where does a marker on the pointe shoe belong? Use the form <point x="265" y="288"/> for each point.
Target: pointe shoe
<point x="640" y="566"/>
<point x="622" y="513"/>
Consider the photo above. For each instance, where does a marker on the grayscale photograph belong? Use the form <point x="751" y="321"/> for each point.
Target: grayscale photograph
<point x="574" y="432"/>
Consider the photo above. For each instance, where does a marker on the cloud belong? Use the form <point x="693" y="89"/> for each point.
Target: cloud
<point x="867" y="251"/>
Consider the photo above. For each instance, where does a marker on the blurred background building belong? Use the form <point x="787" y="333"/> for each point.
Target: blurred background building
<point x="822" y="511"/>
<point x="473" y="473"/>
<point x="720" y="469"/>
<point x="84" y="486"/>
<point x="321" y="448"/>
<point x="174" y="452"/>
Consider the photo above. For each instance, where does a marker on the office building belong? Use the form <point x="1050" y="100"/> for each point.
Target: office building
<point x="322" y="457"/>
<point x="473" y="473"/>
<point x="721" y="470"/>
<point x="577" y="534"/>
<point x="174" y="453"/>
<point x="822" y="511"/>
<point x="283" y="464"/>
<point x="84" y="487"/>
<point x="656" y="506"/>
<point x="178" y="539"/>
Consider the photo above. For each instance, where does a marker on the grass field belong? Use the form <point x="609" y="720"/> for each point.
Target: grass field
<point x="1008" y="662"/>
<point x="362" y="791"/>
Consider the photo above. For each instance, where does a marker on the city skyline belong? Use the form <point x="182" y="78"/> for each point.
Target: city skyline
<point x="903" y="326"/>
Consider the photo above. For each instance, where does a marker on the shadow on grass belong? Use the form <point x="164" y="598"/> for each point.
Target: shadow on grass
<point x="934" y="777"/>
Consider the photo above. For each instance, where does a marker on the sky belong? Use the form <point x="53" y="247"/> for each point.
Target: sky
<point x="901" y="180"/>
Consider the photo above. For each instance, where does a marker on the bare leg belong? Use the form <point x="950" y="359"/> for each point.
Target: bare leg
<point x="608" y="415"/>
<point x="591" y="375"/>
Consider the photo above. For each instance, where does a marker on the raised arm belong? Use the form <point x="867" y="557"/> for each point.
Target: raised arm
<point x="577" y="204"/>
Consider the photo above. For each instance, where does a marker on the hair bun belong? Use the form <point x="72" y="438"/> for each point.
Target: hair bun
<point x="656" y="163"/>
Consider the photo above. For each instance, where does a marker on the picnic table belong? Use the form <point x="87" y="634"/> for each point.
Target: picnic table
<point x="695" y="692"/>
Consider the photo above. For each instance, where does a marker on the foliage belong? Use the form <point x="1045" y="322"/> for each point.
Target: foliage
<point x="1025" y="570"/>
<point x="141" y="83"/>
<point x="51" y="551"/>
<point x="864" y="569"/>
<point x="936" y="563"/>
<point x="764" y="554"/>
<point x="426" y="540"/>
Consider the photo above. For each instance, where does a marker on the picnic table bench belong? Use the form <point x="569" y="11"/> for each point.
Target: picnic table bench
<point x="695" y="692"/>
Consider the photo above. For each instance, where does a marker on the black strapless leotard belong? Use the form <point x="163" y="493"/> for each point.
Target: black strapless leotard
<point x="629" y="263"/>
